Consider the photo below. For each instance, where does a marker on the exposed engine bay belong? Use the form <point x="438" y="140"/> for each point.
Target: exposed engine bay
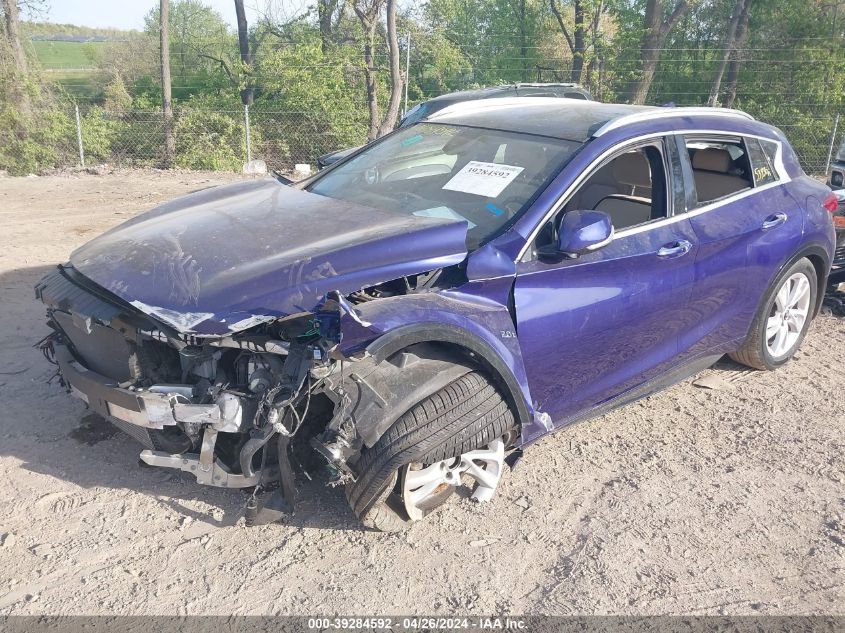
<point x="229" y="409"/>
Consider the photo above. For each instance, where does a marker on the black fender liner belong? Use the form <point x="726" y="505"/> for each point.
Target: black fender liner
<point x="379" y="392"/>
<point x="816" y="251"/>
<point x="482" y="353"/>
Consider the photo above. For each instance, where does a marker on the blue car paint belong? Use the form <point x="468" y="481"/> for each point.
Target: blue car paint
<point x="604" y="322"/>
<point x="731" y="237"/>
<point x="262" y="254"/>
<point x="583" y="231"/>
<point x="464" y="309"/>
<point x="689" y="334"/>
<point x="573" y="334"/>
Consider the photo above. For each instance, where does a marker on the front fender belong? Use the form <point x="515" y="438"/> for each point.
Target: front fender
<point x="456" y="318"/>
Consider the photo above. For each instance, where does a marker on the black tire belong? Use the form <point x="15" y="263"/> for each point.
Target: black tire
<point x="463" y="416"/>
<point x="754" y="351"/>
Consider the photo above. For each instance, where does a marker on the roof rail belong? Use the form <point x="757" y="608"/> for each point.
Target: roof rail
<point x="667" y="112"/>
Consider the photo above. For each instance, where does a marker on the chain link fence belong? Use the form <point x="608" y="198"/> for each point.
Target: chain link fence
<point x="206" y="139"/>
<point x="816" y="141"/>
<point x="227" y="139"/>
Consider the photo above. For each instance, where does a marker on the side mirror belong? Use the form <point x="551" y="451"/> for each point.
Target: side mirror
<point x="581" y="232"/>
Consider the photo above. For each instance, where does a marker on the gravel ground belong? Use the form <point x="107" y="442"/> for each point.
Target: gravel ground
<point x="721" y="500"/>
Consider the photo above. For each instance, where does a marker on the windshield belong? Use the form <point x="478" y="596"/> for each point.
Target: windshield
<point x="483" y="177"/>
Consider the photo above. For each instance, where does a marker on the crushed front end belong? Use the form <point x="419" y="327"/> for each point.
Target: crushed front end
<point x="223" y="409"/>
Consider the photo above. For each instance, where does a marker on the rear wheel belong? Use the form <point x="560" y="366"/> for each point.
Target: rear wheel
<point x="454" y="437"/>
<point x="783" y="318"/>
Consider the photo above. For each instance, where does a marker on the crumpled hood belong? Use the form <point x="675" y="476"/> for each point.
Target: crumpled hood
<point x="226" y="258"/>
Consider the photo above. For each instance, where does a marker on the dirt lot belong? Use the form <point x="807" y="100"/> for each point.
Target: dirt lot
<point x="695" y="501"/>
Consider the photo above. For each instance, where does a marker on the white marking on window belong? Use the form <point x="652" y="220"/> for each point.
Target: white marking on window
<point x="483" y="179"/>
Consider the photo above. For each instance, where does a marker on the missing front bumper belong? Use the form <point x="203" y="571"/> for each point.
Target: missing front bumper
<point x="137" y="413"/>
<point x="149" y="409"/>
<point x="207" y="469"/>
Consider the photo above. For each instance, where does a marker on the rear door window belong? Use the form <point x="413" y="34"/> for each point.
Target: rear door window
<point x="720" y="167"/>
<point x="761" y="167"/>
<point x="771" y="150"/>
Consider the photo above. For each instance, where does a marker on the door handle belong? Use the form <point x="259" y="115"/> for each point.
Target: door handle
<point x="774" y="220"/>
<point x="675" y="249"/>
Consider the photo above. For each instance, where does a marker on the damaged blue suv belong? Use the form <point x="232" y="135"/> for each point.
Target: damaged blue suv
<point x="453" y="292"/>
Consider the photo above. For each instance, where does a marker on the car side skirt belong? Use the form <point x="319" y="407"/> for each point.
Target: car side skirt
<point x="671" y="377"/>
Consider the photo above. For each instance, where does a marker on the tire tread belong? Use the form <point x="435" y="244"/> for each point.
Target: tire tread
<point x="465" y="415"/>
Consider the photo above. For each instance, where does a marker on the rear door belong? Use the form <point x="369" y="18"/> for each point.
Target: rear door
<point x="746" y="225"/>
<point x="594" y="327"/>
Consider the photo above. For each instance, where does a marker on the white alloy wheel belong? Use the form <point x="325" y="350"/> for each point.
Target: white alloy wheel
<point x="424" y="487"/>
<point x="788" y="315"/>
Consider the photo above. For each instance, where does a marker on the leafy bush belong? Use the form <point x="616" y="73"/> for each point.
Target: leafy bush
<point x="303" y="115"/>
<point x="31" y="144"/>
<point x="209" y="140"/>
<point x="98" y="135"/>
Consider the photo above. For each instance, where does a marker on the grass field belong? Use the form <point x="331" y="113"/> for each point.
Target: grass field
<point x="85" y="86"/>
<point x="71" y="64"/>
<point x="66" y="55"/>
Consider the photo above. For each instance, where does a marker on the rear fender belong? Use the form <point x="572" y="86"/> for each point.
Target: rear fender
<point x="819" y="256"/>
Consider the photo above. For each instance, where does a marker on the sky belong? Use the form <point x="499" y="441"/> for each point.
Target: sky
<point x="127" y="14"/>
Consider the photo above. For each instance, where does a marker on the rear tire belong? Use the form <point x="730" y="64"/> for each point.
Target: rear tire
<point x="465" y="415"/>
<point x="762" y="349"/>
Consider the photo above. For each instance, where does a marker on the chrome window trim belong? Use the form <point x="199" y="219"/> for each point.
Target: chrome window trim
<point x="698" y="211"/>
<point x="563" y="198"/>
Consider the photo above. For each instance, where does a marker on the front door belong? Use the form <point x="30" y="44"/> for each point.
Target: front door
<point x="594" y="327"/>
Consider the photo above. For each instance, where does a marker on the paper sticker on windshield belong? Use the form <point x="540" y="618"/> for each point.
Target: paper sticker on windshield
<point x="483" y="179"/>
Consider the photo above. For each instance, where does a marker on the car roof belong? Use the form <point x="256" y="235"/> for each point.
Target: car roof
<point x="545" y="115"/>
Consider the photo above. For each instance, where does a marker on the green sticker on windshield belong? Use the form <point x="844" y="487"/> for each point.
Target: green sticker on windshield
<point x="412" y="139"/>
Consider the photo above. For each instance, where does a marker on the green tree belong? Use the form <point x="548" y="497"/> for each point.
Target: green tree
<point x="201" y="46"/>
<point x="659" y="18"/>
<point x="497" y="37"/>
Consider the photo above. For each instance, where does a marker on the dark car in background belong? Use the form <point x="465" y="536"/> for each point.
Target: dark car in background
<point x="559" y="90"/>
<point x="836" y="180"/>
<point x="427" y="108"/>
<point x="837" y="273"/>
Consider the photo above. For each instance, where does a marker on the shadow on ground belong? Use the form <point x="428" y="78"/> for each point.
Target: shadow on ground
<point x="54" y="434"/>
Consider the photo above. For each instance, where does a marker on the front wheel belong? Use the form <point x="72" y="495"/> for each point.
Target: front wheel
<point x="782" y="320"/>
<point x="456" y="436"/>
